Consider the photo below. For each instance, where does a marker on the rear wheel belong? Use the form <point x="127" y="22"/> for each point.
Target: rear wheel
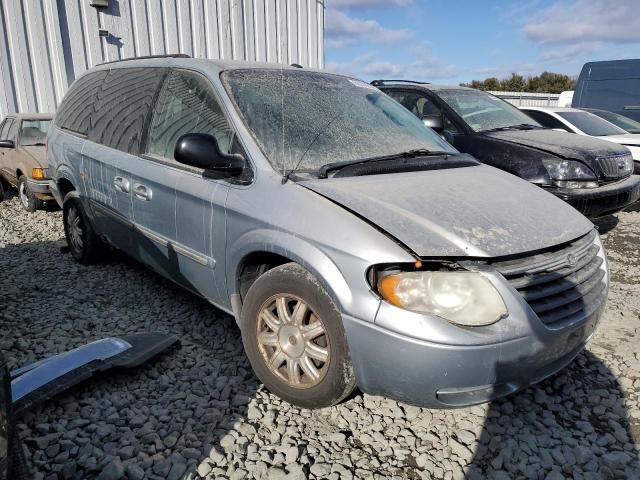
<point x="28" y="200"/>
<point x="294" y="338"/>
<point x="84" y="244"/>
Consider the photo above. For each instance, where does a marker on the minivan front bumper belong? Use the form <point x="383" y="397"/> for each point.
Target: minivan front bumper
<point x="601" y="201"/>
<point x="447" y="376"/>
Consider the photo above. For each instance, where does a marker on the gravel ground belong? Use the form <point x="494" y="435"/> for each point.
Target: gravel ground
<point x="200" y="412"/>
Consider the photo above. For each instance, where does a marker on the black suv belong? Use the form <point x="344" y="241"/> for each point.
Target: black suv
<point x="595" y="176"/>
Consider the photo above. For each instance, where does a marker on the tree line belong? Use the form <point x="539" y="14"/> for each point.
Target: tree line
<point x="546" y="82"/>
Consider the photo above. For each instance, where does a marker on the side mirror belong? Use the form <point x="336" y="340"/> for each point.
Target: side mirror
<point x="201" y="150"/>
<point x="433" y="121"/>
<point x="7" y="144"/>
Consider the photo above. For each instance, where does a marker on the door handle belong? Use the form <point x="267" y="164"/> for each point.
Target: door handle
<point x="142" y="192"/>
<point x="122" y="184"/>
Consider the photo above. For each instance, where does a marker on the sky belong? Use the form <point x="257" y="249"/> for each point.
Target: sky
<point x="457" y="41"/>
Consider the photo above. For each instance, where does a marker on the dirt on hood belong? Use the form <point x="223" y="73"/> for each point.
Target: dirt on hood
<point x="476" y="211"/>
<point x="565" y="145"/>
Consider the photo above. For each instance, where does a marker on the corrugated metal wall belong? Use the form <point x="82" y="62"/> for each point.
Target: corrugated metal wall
<point x="46" y="44"/>
<point x="529" y="99"/>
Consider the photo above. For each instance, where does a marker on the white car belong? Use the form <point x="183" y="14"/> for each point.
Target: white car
<point x="581" y="122"/>
<point x="565" y="98"/>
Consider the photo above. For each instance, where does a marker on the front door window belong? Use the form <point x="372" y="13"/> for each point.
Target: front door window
<point x="186" y="105"/>
<point x="421" y="106"/>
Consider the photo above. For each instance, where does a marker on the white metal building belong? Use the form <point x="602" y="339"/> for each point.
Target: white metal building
<point x="529" y="99"/>
<point x="46" y="44"/>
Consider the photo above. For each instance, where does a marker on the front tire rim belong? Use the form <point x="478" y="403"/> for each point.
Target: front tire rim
<point x="22" y="193"/>
<point x="293" y="341"/>
<point x="74" y="227"/>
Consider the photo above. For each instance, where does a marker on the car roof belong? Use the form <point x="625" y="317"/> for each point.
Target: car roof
<point x="216" y="66"/>
<point x="428" y="86"/>
<point x="30" y="116"/>
<point x="551" y="109"/>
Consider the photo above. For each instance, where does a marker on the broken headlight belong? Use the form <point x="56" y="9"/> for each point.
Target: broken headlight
<point x="464" y="298"/>
<point x="570" y="173"/>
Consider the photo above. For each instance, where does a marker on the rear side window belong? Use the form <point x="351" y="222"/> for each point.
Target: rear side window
<point x="124" y="104"/>
<point x="546" y="120"/>
<point x="186" y="104"/>
<point x="4" y="128"/>
<point x="12" y="130"/>
<point x="77" y="107"/>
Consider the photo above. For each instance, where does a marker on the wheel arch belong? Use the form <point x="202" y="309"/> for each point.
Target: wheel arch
<point x="66" y="180"/>
<point x="260" y="250"/>
<point x="65" y="186"/>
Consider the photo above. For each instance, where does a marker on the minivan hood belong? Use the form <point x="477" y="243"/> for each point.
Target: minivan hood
<point x="565" y="145"/>
<point x="475" y="211"/>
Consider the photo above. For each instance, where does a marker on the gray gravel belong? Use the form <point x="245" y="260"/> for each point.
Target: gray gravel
<point x="200" y="412"/>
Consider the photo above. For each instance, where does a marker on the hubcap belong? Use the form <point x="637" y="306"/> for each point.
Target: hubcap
<point x="22" y="192"/>
<point x="293" y="341"/>
<point x="74" y="228"/>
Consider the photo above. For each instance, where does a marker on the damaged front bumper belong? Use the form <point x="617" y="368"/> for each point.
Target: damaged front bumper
<point x="38" y="382"/>
<point x="605" y="200"/>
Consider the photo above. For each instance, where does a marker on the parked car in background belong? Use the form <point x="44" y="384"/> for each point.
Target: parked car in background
<point x="627" y="124"/>
<point x="332" y="225"/>
<point x="593" y="175"/>
<point x="565" y="98"/>
<point x="573" y="120"/>
<point x="612" y="85"/>
<point x="23" y="162"/>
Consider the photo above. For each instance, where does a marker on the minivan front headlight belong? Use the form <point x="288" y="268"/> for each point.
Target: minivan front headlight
<point x="463" y="298"/>
<point x="570" y="173"/>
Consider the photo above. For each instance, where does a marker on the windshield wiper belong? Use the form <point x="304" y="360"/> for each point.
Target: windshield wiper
<point x="522" y="126"/>
<point x="418" y="152"/>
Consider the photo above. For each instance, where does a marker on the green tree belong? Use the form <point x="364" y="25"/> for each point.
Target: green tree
<point x="546" y="82"/>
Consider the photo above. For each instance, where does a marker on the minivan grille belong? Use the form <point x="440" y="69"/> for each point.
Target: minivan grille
<point x="563" y="286"/>
<point x="617" y="166"/>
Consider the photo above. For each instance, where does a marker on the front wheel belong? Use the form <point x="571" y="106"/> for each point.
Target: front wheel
<point x="294" y="338"/>
<point x="84" y="244"/>
<point x="28" y="200"/>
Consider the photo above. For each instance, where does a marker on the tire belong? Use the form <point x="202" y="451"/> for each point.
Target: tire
<point x="84" y="245"/>
<point x="314" y="333"/>
<point x="28" y="200"/>
<point x="1" y="189"/>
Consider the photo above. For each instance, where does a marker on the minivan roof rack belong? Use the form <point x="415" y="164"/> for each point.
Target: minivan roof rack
<point x="168" y="55"/>
<point x="377" y="83"/>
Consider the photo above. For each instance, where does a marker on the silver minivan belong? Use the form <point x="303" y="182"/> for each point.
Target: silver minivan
<point x="354" y="246"/>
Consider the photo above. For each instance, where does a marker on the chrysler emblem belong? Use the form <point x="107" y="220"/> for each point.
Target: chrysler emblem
<point x="572" y="260"/>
